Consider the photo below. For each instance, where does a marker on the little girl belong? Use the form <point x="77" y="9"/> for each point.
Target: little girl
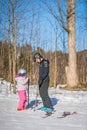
<point x="22" y="84"/>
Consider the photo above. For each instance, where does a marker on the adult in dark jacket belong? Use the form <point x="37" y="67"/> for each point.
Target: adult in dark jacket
<point x="43" y="79"/>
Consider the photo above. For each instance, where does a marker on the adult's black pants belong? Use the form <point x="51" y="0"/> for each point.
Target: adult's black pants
<point x="43" y="90"/>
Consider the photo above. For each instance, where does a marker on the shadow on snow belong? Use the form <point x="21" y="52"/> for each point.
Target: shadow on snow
<point x="37" y="102"/>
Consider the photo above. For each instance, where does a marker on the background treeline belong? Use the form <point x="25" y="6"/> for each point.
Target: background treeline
<point x="58" y="62"/>
<point x="45" y="26"/>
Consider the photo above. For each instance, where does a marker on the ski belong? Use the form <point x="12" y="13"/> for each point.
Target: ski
<point x="47" y="114"/>
<point x="65" y="114"/>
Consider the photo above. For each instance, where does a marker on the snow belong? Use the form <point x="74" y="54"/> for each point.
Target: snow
<point x="11" y="119"/>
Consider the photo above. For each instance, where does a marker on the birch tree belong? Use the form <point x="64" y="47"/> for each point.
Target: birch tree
<point x="67" y="22"/>
<point x="71" y="69"/>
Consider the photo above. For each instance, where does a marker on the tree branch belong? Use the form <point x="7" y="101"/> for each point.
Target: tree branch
<point x="61" y="17"/>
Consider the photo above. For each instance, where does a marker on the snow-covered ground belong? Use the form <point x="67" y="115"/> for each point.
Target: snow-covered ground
<point x="11" y="119"/>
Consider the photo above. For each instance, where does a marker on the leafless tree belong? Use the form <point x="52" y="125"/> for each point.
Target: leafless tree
<point x="69" y="27"/>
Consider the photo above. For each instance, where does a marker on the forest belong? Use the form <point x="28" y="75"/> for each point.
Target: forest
<point x="58" y="61"/>
<point x="56" y="29"/>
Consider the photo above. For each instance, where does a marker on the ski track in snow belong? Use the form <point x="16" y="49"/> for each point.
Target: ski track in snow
<point x="11" y="119"/>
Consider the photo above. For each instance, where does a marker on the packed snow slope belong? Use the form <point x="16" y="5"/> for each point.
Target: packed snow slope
<point x="31" y="119"/>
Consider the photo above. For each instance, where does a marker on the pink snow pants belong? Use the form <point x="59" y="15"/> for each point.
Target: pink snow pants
<point x="22" y="99"/>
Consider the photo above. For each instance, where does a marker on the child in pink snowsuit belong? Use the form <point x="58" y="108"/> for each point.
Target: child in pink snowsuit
<point x="22" y="84"/>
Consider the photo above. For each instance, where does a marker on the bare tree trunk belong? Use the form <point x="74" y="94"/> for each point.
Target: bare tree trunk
<point x="9" y="42"/>
<point x="14" y="41"/>
<point x="55" y="62"/>
<point x="72" y="77"/>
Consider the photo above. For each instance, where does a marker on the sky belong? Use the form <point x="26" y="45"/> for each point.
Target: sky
<point x="81" y="25"/>
<point x="37" y="26"/>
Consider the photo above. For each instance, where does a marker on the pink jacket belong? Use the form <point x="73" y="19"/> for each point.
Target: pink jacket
<point x="22" y="82"/>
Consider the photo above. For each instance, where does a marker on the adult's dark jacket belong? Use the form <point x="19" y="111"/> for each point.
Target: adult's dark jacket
<point x="43" y="72"/>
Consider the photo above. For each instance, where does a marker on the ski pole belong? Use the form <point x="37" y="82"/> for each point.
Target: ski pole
<point x="28" y="92"/>
<point x="36" y="99"/>
<point x="35" y="103"/>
